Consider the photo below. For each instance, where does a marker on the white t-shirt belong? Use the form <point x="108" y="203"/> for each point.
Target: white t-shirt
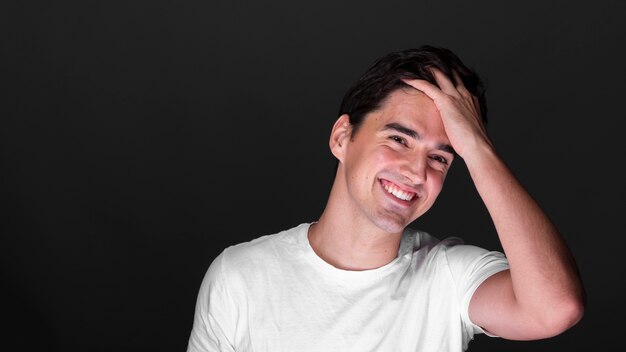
<point x="275" y="294"/>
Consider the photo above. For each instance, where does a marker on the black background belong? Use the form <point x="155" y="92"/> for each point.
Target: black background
<point x="140" y="138"/>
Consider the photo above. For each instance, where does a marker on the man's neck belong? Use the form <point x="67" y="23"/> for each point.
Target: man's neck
<point x="350" y="243"/>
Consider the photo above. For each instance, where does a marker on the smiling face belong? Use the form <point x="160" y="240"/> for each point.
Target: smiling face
<point x="392" y="169"/>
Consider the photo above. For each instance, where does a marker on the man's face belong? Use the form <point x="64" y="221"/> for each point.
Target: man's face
<point x="395" y="164"/>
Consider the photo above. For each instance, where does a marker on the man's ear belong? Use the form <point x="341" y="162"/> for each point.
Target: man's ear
<point x="340" y="136"/>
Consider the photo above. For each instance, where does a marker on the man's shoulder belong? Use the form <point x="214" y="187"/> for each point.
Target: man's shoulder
<point x="263" y="249"/>
<point x="455" y="254"/>
<point x="440" y="246"/>
<point x="422" y="240"/>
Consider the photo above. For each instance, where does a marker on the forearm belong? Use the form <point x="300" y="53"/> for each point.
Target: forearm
<point x="544" y="277"/>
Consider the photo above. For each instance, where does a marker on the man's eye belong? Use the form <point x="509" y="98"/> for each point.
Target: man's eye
<point x="398" y="139"/>
<point x="440" y="159"/>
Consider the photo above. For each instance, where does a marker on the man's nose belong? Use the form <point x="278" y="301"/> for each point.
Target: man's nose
<point x="415" y="169"/>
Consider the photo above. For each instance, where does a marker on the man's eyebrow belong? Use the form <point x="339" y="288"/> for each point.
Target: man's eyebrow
<point x="402" y="129"/>
<point x="413" y="134"/>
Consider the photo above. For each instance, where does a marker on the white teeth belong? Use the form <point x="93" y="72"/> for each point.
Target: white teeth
<point x="398" y="193"/>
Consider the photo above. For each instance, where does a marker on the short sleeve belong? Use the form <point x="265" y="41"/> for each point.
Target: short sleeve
<point x="470" y="266"/>
<point x="213" y="325"/>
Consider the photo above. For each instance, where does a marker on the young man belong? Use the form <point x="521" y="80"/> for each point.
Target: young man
<point x="358" y="279"/>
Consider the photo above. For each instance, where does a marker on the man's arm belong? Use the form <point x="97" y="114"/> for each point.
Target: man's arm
<point x="542" y="294"/>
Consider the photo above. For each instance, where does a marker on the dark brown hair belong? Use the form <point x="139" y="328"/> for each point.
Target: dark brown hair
<point x="385" y="75"/>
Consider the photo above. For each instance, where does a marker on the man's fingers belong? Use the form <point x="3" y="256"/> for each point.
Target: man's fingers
<point x="476" y="105"/>
<point x="431" y="90"/>
<point x="446" y="85"/>
<point x="460" y="87"/>
<point x="446" y="90"/>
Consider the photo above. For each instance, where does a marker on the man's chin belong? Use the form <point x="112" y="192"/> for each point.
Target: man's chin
<point x="392" y="225"/>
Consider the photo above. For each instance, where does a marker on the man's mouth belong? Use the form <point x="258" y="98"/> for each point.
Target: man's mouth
<point x="397" y="192"/>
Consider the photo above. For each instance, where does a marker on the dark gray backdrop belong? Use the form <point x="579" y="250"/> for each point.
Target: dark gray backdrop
<point x="140" y="138"/>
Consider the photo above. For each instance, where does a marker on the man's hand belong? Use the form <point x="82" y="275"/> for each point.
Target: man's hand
<point x="459" y="110"/>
